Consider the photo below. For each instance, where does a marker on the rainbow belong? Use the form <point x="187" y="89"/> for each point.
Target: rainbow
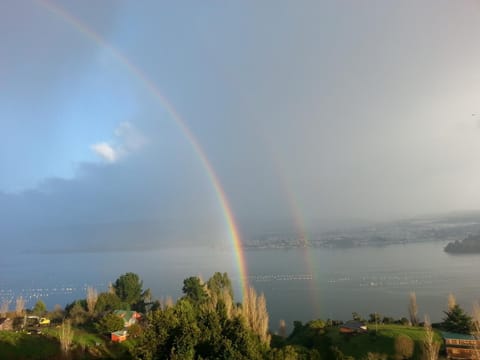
<point x="299" y="224"/>
<point x="162" y="100"/>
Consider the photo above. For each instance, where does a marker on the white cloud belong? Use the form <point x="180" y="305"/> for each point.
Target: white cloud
<point x="128" y="139"/>
<point x="105" y="151"/>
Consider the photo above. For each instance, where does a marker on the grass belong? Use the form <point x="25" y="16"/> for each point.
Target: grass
<point x="23" y="346"/>
<point x="382" y="341"/>
<point x="86" y="345"/>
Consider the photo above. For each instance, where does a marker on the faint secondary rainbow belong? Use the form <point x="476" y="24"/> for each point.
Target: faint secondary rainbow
<point x="300" y="226"/>
<point x="155" y="91"/>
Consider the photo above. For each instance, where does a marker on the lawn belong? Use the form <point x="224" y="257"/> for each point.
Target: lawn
<point x="86" y="345"/>
<point x="23" y="346"/>
<point x="382" y="341"/>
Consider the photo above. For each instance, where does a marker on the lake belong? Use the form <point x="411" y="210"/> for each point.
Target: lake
<point x="299" y="284"/>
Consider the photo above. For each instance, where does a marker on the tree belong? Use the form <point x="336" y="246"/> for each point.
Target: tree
<point x="430" y="346"/>
<point x="19" y="306"/>
<point x="128" y="288"/>
<point x="404" y="346"/>
<point x="456" y="320"/>
<point x="220" y="283"/>
<point x="40" y="308"/>
<point x="4" y="308"/>
<point x="356" y="316"/>
<point x="108" y="301"/>
<point x="77" y="313"/>
<point x="202" y="325"/>
<point x="92" y="297"/>
<point x="110" y="323"/>
<point x="65" y="336"/>
<point x="413" y="308"/>
<point x="374" y="318"/>
<point x="451" y="301"/>
<point x="476" y="327"/>
<point x="194" y="290"/>
<point x="254" y="309"/>
<point x="282" y="331"/>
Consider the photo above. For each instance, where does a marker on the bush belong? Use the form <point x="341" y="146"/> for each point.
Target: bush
<point x="109" y="323"/>
<point x="404" y="346"/>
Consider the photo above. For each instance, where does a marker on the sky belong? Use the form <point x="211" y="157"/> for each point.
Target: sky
<point x="312" y="112"/>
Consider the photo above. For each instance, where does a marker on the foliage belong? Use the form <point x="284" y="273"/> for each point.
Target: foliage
<point x="404" y="347"/>
<point x="19" y="306"/>
<point x="57" y="314"/>
<point x="374" y="318"/>
<point x="430" y="346"/>
<point x="40" y="308"/>
<point x="92" y="297"/>
<point x="19" y="345"/>
<point x="254" y="310"/>
<point x="194" y="290"/>
<point x="205" y="323"/>
<point x="220" y="283"/>
<point x="107" y="301"/>
<point x="65" y="336"/>
<point x="359" y="346"/>
<point x="128" y="288"/>
<point x="135" y="330"/>
<point x="339" y="355"/>
<point x="375" y="356"/>
<point x="4" y="308"/>
<point x="456" y="320"/>
<point x="77" y="312"/>
<point x="413" y="309"/>
<point x="109" y="323"/>
<point x="356" y="316"/>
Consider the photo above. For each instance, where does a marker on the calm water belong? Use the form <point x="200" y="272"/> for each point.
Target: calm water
<point x="299" y="284"/>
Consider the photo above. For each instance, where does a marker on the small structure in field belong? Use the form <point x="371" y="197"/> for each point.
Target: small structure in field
<point x="353" y="327"/>
<point x="119" y="336"/>
<point x="129" y="317"/>
<point x="460" y="346"/>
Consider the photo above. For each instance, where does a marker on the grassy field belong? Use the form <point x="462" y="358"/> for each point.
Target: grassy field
<point x="86" y="345"/>
<point x="23" y="346"/>
<point x="382" y="341"/>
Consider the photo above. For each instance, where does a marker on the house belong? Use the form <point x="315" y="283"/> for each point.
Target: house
<point x="460" y="346"/>
<point x="353" y="327"/>
<point x="129" y="317"/>
<point x="119" y="336"/>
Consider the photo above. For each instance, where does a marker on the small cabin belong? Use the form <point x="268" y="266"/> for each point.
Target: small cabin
<point x="119" y="336"/>
<point x="460" y="346"/>
<point x="353" y="327"/>
<point x="129" y="317"/>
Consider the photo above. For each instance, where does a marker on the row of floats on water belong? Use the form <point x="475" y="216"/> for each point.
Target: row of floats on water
<point x="281" y="277"/>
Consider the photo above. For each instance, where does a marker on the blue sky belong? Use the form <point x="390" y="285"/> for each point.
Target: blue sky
<point x="356" y="110"/>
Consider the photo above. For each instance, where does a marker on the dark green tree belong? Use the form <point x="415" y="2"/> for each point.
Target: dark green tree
<point x="128" y="288"/>
<point x="456" y="320"/>
<point x="219" y="283"/>
<point x="109" y="323"/>
<point x="194" y="290"/>
<point x="108" y="302"/>
<point x="40" y="308"/>
<point x="77" y="313"/>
